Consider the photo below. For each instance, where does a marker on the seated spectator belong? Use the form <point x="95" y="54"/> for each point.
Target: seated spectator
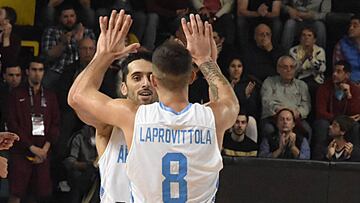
<point x="285" y="91"/>
<point x="145" y="23"/>
<point x="305" y="13"/>
<point x="12" y="78"/>
<point x="59" y="44"/>
<point x="260" y="58"/>
<point x="348" y="48"/>
<point x="340" y="148"/>
<point x="10" y="43"/>
<point x="218" y="13"/>
<point x="310" y="61"/>
<point x="245" y="89"/>
<point x="236" y="140"/>
<point x="284" y="142"/>
<point x="337" y="96"/>
<point x="80" y="163"/>
<point x="251" y="13"/>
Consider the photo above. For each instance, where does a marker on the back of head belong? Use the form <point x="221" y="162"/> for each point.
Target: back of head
<point x="172" y="65"/>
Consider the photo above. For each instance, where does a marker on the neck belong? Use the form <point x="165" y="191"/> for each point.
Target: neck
<point x="340" y="142"/>
<point x="36" y="87"/>
<point x="357" y="40"/>
<point x="177" y="100"/>
<point x="286" y="81"/>
<point x="237" y="137"/>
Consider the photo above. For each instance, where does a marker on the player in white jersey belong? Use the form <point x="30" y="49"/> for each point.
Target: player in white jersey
<point x="110" y="142"/>
<point x="185" y="140"/>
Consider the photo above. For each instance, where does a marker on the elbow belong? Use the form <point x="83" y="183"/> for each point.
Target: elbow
<point x="74" y="100"/>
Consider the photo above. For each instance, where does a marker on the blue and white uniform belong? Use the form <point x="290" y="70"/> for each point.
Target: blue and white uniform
<point x="115" y="185"/>
<point x="174" y="156"/>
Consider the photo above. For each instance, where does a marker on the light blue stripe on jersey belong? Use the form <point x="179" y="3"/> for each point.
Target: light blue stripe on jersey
<point x="166" y="108"/>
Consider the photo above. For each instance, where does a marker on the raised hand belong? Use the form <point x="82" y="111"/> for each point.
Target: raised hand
<point x="198" y="40"/>
<point x="113" y="35"/>
<point x="7" y="140"/>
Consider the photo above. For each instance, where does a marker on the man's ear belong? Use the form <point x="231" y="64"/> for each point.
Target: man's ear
<point x="124" y="89"/>
<point x="153" y="81"/>
<point x="192" y="77"/>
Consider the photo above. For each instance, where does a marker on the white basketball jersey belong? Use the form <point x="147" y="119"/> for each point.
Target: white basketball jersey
<point x="115" y="185"/>
<point x="174" y="157"/>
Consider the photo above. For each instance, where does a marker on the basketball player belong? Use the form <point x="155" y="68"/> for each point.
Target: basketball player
<point x="110" y="142"/>
<point x="174" y="146"/>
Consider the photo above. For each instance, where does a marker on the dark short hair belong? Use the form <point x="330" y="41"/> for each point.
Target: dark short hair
<point x="356" y="16"/>
<point x="10" y="14"/>
<point x="35" y="59"/>
<point x="311" y="29"/>
<point x="64" y="6"/>
<point x="345" y="122"/>
<point x="174" y="61"/>
<point x="347" y="66"/>
<point x="285" y="109"/>
<point x="124" y="63"/>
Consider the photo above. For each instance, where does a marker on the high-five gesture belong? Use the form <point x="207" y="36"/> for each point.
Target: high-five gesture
<point x="199" y="38"/>
<point x="113" y="34"/>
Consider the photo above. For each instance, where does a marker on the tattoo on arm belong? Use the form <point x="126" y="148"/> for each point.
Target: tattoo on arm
<point x="214" y="77"/>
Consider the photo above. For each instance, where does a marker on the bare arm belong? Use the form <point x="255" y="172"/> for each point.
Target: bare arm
<point x="275" y="11"/>
<point x="242" y="9"/>
<point x="84" y="97"/>
<point x="223" y="101"/>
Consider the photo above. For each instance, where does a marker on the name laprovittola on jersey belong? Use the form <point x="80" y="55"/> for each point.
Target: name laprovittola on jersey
<point x="174" y="156"/>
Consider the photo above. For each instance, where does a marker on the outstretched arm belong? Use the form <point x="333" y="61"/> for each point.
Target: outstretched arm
<point x="92" y="106"/>
<point x="223" y="100"/>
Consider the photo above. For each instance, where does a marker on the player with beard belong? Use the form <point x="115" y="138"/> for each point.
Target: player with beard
<point x="110" y="141"/>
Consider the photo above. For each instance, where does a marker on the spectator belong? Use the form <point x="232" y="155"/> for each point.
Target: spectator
<point x="12" y="79"/>
<point x="265" y="53"/>
<point x="348" y="48"/>
<point x="285" y="91"/>
<point x="337" y="96"/>
<point x="245" y="89"/>
<point x="285" y="143"/>
<point x="218" y="13"/>
<point x="60" y="42"/>
<point x="34" y="116"/>
<point x="80" y="163"/>
<point x="86" y="13"/>
<point x="310" y="61"/>
<point x="146" y="23"/>
<point x="9" y="41"/>
<point x="250" y="13"/>
<point x="237" y="142"/>
<point x="305" y="13"/>
<point x="340" y="148"/>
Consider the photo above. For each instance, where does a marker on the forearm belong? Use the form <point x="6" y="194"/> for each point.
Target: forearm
<point x="247" y="13"/>
<point x="217" y="83"/>
<point x="6" y="41"/>
<point x="56" y="51"/>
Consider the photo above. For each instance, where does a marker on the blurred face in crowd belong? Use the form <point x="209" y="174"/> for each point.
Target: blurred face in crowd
<point x="137" y="86"/>
<point x="339" y="74"/>
<point x="235" y="69"/>
<point x="2" y="16"/>
<point x="12" y="76"/>
<point x="68" y="18"/>
<point x="240" y="125"/>
<point x="35" y="73"/>
<point x="285" y="121"/>
<point x="263" y="35"/>
<point x="307" y="38"/>
<point x="286" y="69"/>
<point x="86" y="50"/>
<point x="334" y="130"/>
<point x="354" y="28"/>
